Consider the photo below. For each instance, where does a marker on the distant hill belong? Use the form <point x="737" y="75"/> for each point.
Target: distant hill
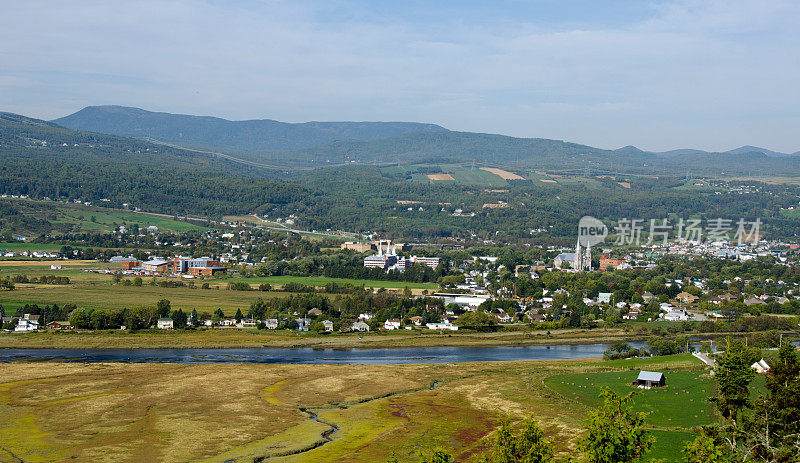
<point x="39" y="158"/>
<point x="252" y="136"/>
<point x="756" y="149"/>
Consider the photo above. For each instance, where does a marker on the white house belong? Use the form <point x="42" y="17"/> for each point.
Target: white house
<point x="761" y="366"/>
<point x="442" y="326"/>
<point x="164" y="324"/>
<point x="359" y="326"/>
<point x="604" y="298"/>
<point x="271" y="323"/>
<point x="392" y="324"/>
<point x="328" y="325"/>
<point x="28" y="323"/>
<point x="678" y="315"/>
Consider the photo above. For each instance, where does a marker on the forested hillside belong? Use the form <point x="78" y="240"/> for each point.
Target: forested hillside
<point x="253" y="136"/>
<point x="43" y="160"/>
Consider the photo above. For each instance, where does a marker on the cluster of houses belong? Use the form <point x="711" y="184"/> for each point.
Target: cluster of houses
<point x="31" y="254"/>
<point x="32" y="322"/>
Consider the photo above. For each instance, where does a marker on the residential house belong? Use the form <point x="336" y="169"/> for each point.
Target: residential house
<point x="442" y="326"/>
<point x="359" y="326"/>
<point x="303" y="324"/>
<point x="271" y="323"/>
<point x="761" y="366"/>
<point x="164" y="324"/>
<point x="752" y="300"/>
<point x="59" y="325"/>
<point x="391" y="324"/>
<point x="28" y="322"/>
<point x="328" y="325"/>
<point x="687" y="298"/>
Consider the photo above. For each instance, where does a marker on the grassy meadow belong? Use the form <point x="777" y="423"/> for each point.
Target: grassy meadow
<point x="220" y="412"/>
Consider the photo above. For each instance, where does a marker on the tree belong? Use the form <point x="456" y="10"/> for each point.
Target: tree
<point x="163" y="308"/>
<point x="137" y="281"/>
<point x="734" y="375"/>
<point x="179" y="319"/>
<point x="707" y="449"/>
<point x="529" y="446"/>
<point x="437" y="456"/>
<point x="772" y="431"/>
<point x="615" y="433"/>
<point x="194" y="319"/>
<point x="238" y="315"/>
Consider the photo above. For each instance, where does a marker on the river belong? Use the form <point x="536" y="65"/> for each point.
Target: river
<point x="392" y="356"/>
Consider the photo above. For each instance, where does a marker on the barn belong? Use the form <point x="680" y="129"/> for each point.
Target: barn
<point x="650" y="379"/>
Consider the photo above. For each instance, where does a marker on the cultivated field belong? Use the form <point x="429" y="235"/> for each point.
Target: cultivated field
<point x="504" y="174"/>
<point x="322" y="281"/>
<point x="439" y="177"/>
<point x="177" y="413"/>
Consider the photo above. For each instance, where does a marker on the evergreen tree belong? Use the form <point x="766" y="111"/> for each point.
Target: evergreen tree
<point x="734" y="375"/>
<point x="179" y="319"/>
<point x="529" y="446"/>
<point x="239" y="315"/>
<point x="615" y="433"/>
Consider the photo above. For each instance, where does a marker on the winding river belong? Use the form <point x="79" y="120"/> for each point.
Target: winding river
<point x="391" y="356"/>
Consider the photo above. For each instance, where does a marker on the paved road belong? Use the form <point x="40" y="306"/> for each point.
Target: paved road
<point x="704" y="358"/>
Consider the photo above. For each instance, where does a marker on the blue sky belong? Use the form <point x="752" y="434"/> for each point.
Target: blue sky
<point x="657" y="74"/>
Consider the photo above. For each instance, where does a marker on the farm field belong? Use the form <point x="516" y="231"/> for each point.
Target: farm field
<point x="97" y="292"/>
<point x="220" y="412"/>
<point x="319" y="281"/>
<point x="22" y="246"/>
<point x="82" y="218"/>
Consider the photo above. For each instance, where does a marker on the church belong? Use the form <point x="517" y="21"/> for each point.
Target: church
<point x="579" y="260"/>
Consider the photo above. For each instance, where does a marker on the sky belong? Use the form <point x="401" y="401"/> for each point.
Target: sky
<point x="659" y="75"/>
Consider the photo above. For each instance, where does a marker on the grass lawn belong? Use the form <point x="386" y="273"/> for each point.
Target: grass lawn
<point x="322" y="281"/>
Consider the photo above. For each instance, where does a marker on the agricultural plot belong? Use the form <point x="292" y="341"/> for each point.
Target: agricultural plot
<point x="105" y="295"/>
<point x="322" y="281"/>
<point x="99" y="220"/>
<point x="680" y="404"/>
<point x="504" y="174"/>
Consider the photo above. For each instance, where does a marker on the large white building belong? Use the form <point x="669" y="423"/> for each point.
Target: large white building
<point x="579" y="260"/>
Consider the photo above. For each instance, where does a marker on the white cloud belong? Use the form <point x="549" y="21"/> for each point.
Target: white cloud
<point x="694" y="73"/>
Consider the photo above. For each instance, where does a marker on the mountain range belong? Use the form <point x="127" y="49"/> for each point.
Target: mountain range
<point x="252" y="136"/>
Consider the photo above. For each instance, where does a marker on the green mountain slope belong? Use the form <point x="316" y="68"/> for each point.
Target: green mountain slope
<point x="41" y="159"/>
<point x="253" y="136"/>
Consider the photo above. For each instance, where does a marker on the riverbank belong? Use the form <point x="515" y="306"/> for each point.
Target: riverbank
<point x="288" y="413"/>
<point x="237" y="338"/>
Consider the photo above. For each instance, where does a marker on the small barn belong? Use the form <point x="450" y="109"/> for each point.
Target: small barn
<point x="650" y="379"/>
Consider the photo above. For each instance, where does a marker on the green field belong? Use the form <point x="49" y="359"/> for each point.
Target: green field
<point x="108" y="221"/>
<point x="20" y="246"/>
<point x="476" y="176"/>
<point x="680" y="404"/>
<point x="672" y="411"/>
<point x="322" y="281"/>
<point x="462" y="175"/>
